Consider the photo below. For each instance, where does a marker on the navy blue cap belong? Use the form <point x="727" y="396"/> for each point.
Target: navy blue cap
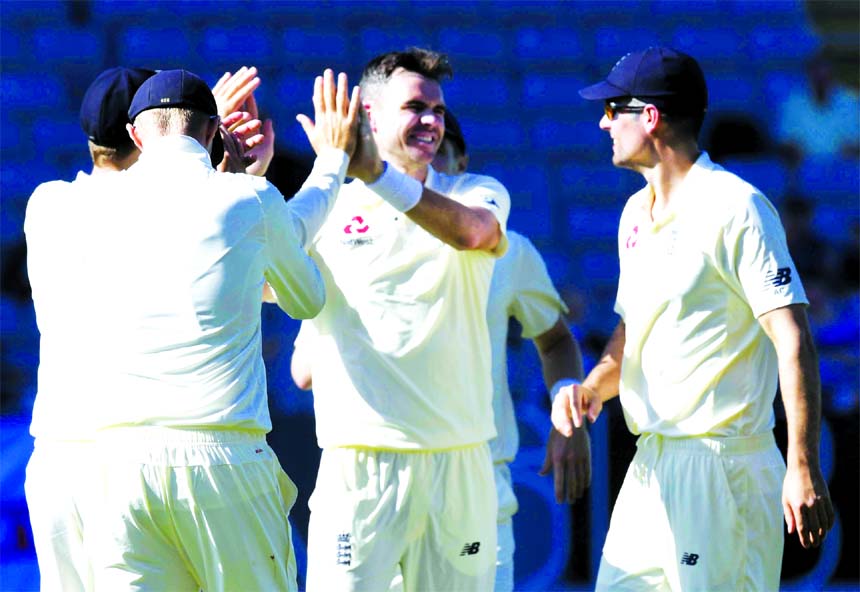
<point x="173" y="88"/>
<point x="104" y="109"/>
<point x="660" y="75"/>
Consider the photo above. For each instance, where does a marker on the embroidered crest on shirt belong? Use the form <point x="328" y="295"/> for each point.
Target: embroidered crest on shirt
<point x="354" y="230"/>
<point x="632" y="238"/>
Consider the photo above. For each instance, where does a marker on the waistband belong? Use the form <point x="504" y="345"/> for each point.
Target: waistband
<point x="156" y="435"/>
<point x="720" y="446"/>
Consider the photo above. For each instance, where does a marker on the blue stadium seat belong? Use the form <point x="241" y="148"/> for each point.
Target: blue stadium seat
<point x="56" y="133"/>
<point x="830" y="179"/>
<point x="494" y="91"/>
<point x="14" y="48"/>
<point x="549" y="44"/>
<point x="783" y="12"/>
<point x="50" y="48"/>
<point x="376" y="40"/>
<point x="529" y="188"/>
<point x="581" y="136"/>
<point x="221" y="43"/>
<point x="732" y="92"/>
<point x="715" y="42"/>
<point x="553" y="90"/>
<point x="492" y="135"/>
<point x="611" y="42"/>
<point x="777" y="84"/>
<point x="318" y="48"/>
<point x="592" y="221"/>
<point x="768" y="174"/>
<point x="469" y="45"/>
<point x="158" y="48"/>
<point x="599" y="183"/>
<point x="33" y="92"/>
<point x="781" y="43"/>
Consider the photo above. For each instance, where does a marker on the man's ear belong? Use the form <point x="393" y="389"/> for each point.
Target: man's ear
<point x="653" y="117"/>
<point x="368" y="113"/>
<point x="134" y="135"/>
<point x="211" y="129"/>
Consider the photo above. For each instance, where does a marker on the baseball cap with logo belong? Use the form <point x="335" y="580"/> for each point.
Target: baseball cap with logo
<point x="104" y="108"/>
<point x="663" y="76"/>
<point x="173" y="88"/>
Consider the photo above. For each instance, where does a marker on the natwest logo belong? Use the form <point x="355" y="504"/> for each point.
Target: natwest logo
<point x="356" y="225"/>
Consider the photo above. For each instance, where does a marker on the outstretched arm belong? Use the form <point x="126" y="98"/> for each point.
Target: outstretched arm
<point x="573" y="402"/>
<point x="568" y="457"/>
<point x="461" y="226"/>
<point x="805" y="498"/>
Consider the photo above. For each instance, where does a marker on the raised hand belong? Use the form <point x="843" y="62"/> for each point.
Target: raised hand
<point x="365" y="164"/>
<point x="235" y="92"/>
<point x="571" y="404"/>
<point x="336" y="119"/>
<point x="244" y="137"/>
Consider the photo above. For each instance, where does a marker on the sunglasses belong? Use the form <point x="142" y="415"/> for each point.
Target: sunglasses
<point x="613" y="110"/>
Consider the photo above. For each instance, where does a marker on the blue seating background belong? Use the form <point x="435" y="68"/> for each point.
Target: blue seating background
<point x="518" y="67"/>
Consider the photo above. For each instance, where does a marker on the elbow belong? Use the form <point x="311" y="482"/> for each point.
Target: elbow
<point x="483" y="239"/>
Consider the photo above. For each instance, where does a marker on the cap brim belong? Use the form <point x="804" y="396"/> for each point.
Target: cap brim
<point x="602" y="91"/>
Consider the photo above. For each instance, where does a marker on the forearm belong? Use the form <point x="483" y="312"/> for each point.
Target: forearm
<point x="801" y="396"/>
<point x="455" y="224"/>
<point x="605" y="377"/>
<point x="314" y="200"/>
<point x="560" y="354"/>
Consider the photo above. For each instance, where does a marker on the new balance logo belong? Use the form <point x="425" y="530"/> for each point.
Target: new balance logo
<point x="780" y="277"/>
<point x="471" y="548"/>
<point x="344" y="549"/>
<point x="491" y="202"/>
<point x="689" y="559"/>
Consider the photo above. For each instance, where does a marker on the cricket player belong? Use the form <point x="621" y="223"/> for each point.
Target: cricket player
<point x="400" y="354"/>
<point x="712" y="315"/>
<point x="179" y="490"/>
<point x="522" y="289"/>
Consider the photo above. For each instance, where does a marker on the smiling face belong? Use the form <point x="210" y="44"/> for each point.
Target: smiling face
<point x="408" y="121"/>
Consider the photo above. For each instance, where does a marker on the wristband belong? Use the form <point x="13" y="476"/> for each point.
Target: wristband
<point x="399" y="189"/>
<point x="560" y="384"/>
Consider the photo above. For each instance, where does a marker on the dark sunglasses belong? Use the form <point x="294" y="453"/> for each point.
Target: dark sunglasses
<point x="613" y="109"/>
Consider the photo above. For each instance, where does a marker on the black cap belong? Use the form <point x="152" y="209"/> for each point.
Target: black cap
<point x="104" y="109"/>
<point x="173" y="88"/>
<point x="660" y="75"/>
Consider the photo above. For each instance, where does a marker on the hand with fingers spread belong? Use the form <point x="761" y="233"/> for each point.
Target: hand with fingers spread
<point x="336" y="120"/>
<point x="366" y="163"/>
<point x="571" y="403"/>
<point x="569" y="459"/>
<point x="806" y="504"/>
<point x="238" y="142"/>
<point x="235" y="92"/>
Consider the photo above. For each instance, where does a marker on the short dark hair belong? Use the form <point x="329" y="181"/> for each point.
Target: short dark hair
<point x="427" y="63"/>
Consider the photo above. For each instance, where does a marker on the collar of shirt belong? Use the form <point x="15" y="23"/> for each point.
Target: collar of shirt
<point x="168" y="147"/>
<point x="685" y="193"/>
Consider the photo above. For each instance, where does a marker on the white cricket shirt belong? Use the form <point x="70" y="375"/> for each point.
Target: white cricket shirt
<point x="147" y="287"/>
<point x="696" y="361"/>
<point x="400" y="356"/>
<point x="521" y="288"/>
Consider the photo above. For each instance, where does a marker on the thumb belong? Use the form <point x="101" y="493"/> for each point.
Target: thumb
<point x="789" y="517"/>
<point x="306" y="124"/>
<point x="547" y="464"/>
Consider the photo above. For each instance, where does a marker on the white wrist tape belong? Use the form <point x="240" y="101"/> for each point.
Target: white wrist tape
<point x="560" y="384"/>
<point x="399" y="189"/>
